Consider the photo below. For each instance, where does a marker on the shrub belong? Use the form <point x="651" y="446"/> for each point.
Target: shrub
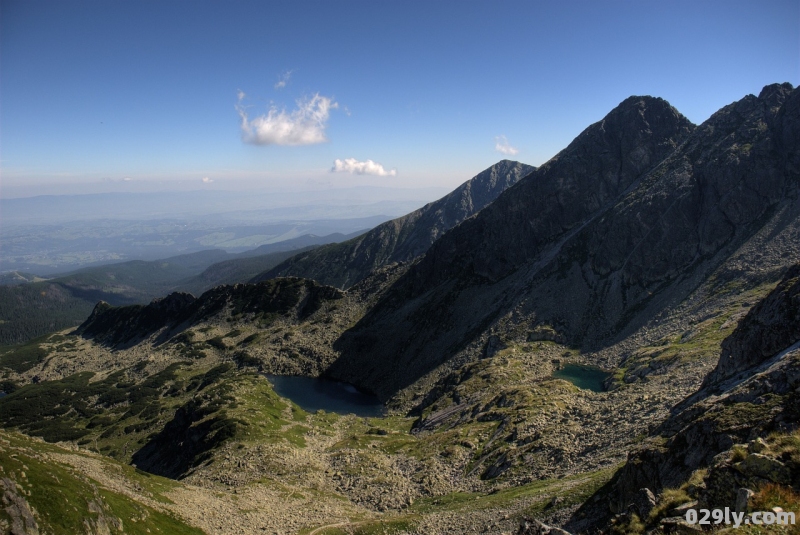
<point x="774" y="495"/>
<point x="23" y="358"/>
<point x="217" y="342"/>
<point x="738" y="453"/>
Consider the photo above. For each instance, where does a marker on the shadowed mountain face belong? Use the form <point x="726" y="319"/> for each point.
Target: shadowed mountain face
<point x="404" y="238"/>
<point x="630" y="218"/>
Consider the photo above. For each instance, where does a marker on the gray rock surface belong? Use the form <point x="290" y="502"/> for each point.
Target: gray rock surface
<point x="704" y="430"/>
<point x="770" y="326"/>
<point x="743" y="496"/>
<point x="18" y="509"/>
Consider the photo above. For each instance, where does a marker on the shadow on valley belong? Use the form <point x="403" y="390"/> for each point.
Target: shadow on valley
<point x="187" y="440"/>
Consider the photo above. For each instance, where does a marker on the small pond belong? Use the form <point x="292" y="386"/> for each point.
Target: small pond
<point x="582" y="376"/>
<point x="331" y="396"/>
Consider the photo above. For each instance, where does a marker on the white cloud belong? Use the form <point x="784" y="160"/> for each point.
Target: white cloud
<point x="283" y="79"/>
<point x="351" y="165"/>
<point x="303" y="126"/>
<point x="502" y="145"/>
<point x="207" y="180"/>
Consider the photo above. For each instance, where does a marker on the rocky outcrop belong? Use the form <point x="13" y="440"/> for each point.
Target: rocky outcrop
<point x="628" y="220"/>
<point x="761" y="395"/>
<point x="771" y="326"/>
<point x="18" y="509"/>
<point x="125" y="326"/>
<point x="531" y="526"/>
<point x="402" y="239"/>
<point x="733" y="473"/>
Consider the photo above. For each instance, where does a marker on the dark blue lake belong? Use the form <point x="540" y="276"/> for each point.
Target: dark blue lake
<point x="331" y="396"/>
<point x="586" y="377"/>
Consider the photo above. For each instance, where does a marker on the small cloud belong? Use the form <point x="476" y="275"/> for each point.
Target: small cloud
<point x="127" y="179"/>
<point x="283" y="79"/>
<point x="207" y="180"/>
<point x="303" y="126"/>
<point x="503" y="146"/>
<point x="351" y="165"/>
<point x="240" y="95"/>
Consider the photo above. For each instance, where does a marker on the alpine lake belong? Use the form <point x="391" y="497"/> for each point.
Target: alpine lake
<point x="313" y="394"/>
<point x="583" y="376"/>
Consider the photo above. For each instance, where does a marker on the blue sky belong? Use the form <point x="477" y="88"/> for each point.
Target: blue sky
<point x="118" y="96"/>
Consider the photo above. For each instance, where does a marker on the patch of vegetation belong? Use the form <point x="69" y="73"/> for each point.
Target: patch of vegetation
<point x="23" y="358"/>
<point x="243" y="360"/>
<point x="186" y="337"/>
<point x="8" y="386"/>
<point x="738" y="453"/>
<point x="73" y="407"/>
<point x="28" y="311"/>
<point x="213" y="375"/>
<point x="667" y="500"/>
<point x="387" y="526"/>
<point x="250" y="339"/>
<point x="217" y="342"/>
<point x="774" y="495"/>
<point x="573" y="489"/>
<point x="628" y="525"/>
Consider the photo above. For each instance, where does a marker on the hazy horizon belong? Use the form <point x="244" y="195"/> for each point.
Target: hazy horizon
<point x="50" y="234"/>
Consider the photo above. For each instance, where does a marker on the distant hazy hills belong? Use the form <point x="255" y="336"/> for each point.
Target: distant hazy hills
<point x="404" y="238"/>
<point x="53" y="249"/>
<point x="231" y="206"/>
<point x="30" y="307"/>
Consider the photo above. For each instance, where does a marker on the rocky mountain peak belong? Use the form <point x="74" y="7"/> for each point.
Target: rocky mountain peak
<point x="775" y="94"/>
<point x="601" y="163"/>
